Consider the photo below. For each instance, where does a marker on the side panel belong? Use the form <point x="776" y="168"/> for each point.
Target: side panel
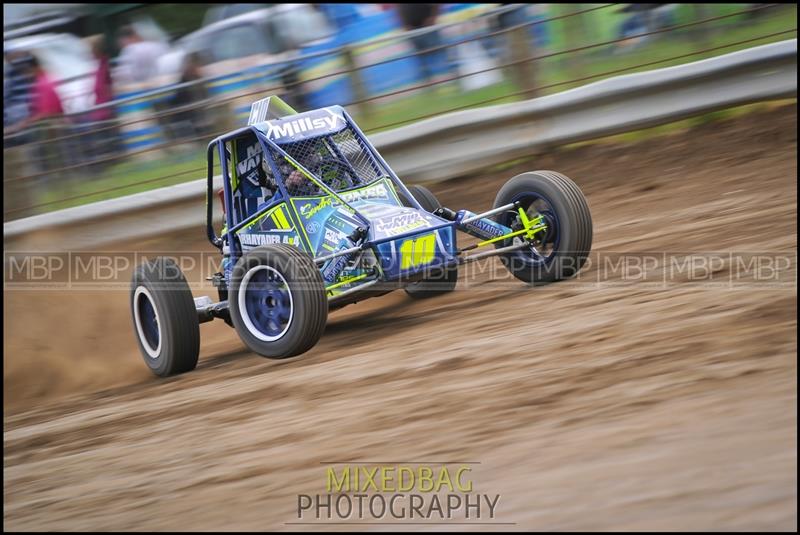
<point x="275" y="226"/>
<point x="413" y="254"/>
<point x="324" y="222"/>
<point x="391" y="221"/>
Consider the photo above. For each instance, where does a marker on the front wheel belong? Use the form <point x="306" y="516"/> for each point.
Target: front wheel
<point x="558" y="251"/>
<point x="277" y="301"/>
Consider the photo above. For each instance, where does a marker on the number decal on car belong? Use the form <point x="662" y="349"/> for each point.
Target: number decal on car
<point x="417" y="251"/>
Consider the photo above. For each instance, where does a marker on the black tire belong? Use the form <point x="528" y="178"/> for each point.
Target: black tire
<point x="424" y="197"/>
<point x="438" y="281"/>
<point x="164" y="318"/>
<point x="305" y="290"/>
<point x="573" y="228"/>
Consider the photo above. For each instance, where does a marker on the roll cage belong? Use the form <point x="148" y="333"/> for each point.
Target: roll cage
<point x="276" y="157"/>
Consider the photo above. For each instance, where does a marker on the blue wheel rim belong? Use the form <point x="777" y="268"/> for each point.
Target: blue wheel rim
<point x="268" y="305"/>
<point x="147" y="323"/>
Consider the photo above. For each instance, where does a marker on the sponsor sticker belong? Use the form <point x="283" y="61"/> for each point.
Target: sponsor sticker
<point x="308" y="208"/>
<point x="266" y="239"/>
<point x="400" y="223"/>
<point x="311" y="125"/>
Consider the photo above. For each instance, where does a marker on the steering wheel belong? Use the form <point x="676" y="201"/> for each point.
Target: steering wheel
<point x="341" y="171"/>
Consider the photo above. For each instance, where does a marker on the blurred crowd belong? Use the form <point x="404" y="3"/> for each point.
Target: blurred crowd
<point x="29" y="93"/>
<point x="91" y="133"/>
<point x="82" y="101"/>
<point x="31" y="90"/>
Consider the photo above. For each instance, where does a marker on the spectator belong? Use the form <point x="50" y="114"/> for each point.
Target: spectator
<point x="17" y="159"/>
<point x="191" y="72"/>
<point x="191" y="122"/>
<point x="340" y="15"/>
<point x="102" y="79"/>
<point x="43" y="98"/>
<point x="44" y="103"/>
<point x="414" y="17"/>
<point x="16" y="87"/>
<point x="138" y="59"/>
<point x="512" y="15"/>
<point x="100" y="139"/>
<point x="643" y="18"/>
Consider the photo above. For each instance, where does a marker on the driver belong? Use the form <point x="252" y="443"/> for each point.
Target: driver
<point x="329" y="170"/>
<point x="293" y="179"/>
<point x="298" y="184"/>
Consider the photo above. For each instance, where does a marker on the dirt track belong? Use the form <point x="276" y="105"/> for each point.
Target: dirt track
<point x="588" y="406"/>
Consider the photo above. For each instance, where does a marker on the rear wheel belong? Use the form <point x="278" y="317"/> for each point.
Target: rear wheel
<point x="164" y="318"/>
<point x="438" y="281"/>
<point x="562" y="248"/>
<point x="277" y="301"/>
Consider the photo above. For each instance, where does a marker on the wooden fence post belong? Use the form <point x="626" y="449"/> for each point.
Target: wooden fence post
<point x="362" y="108"/>
<point x="519" y="48"/>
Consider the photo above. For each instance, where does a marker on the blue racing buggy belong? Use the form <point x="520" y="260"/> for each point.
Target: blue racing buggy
<point x="314" y="219"/>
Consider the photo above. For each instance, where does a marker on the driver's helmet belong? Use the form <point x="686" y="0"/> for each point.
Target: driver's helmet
<point x="296" y="182"/>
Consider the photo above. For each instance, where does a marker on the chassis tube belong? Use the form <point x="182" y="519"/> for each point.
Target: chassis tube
<point x="236" y="251"/>
<point x="325" y="258"/>
<point x="444" y="224"/>
<point x="477" y="256"/>
<point x="479" y="225"/>
<point x="212" y="235"/>
<point x="489" y="213"/>
<point x="379" y="158"/>
<point x="353" y="290"/>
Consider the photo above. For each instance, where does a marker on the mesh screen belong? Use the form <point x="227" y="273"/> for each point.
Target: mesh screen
<point x="340" y="160"/>
<point x="357" y="155"/>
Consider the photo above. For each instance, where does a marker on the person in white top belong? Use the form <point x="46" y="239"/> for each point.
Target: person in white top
<point x="138" y="59"/>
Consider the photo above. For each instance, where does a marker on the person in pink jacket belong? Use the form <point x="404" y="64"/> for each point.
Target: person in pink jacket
<point x="44" y="99"/>
<point x="102" y="80"/>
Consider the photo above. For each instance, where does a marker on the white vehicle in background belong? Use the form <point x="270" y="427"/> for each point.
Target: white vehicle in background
<point x="221" y="12"/>
<point x="250" y="51"/>
<point x="68" y="60"/>
<point x="249" y="35"/>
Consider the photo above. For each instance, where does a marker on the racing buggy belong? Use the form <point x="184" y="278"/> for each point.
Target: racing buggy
<point x="314" y="219"/>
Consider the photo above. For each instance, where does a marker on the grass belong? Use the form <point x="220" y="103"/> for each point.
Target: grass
<point x="556" y="72"/>
<point x="591" y="65"/>
<point x="128" y="178"/>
